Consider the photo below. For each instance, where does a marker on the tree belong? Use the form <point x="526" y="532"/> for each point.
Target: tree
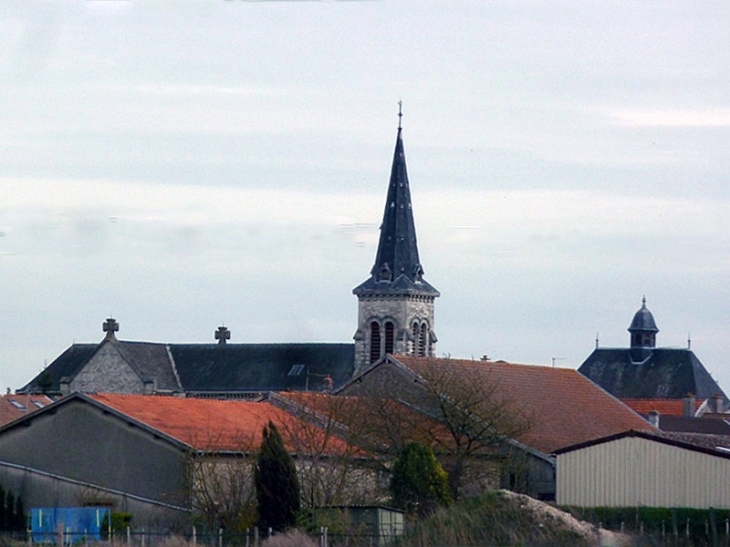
<point x="456" y="407"/>
<point x="332" y="470"/>
<point x="277" y="486"/>
<point x="419" y="483"/>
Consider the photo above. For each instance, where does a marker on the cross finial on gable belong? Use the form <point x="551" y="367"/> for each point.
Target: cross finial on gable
<point x="110" y="326"/>
<point x="222" y="334"/>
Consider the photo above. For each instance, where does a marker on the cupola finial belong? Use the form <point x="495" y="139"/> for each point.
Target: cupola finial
<point x="400" y="113"/>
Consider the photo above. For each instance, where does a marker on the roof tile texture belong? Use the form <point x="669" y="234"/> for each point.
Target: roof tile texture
<point x="210" y="424"/>
<point x="566" y="408"/>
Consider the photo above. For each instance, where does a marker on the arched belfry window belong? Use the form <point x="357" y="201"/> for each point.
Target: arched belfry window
<point x="374" y="341"/>
<point x="415" y="332"/>
<point x="389" y="337"/>
<point x="423" y="340"/>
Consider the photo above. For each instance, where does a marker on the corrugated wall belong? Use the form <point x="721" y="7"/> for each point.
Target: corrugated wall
<point x="633" y="471"/>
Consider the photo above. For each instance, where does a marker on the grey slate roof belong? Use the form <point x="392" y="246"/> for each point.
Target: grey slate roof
<point x="666" y="373"/>
<point x="397" y="268"/>
<point x="643" y="320"/>
<point x="261" y="367"/>
<point x="212" y="368"/>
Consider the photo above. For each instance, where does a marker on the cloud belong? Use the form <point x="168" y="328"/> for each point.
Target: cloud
<point x="719" y="117"/>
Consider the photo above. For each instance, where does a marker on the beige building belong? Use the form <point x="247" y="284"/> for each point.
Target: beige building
<point x="641" y="469"/>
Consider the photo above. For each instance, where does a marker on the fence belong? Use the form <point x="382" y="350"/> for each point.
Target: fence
<point x="190" y="538"/>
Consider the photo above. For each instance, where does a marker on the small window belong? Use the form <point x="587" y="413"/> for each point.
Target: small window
<point x="38" y="404"/>
<point x="374" y="341"/>
<point x="17" y="404"/>
<point x="389" y="337"/>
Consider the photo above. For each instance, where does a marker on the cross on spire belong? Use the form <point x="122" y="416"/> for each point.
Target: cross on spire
<point x="110" y="326"/>
<point x="222" y="334"/>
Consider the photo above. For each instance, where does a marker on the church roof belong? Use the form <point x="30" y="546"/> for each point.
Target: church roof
<point x="666" y="373"/>
<point x="212" y="367"/>
<point x="262" y="367"/>
<point x="397" y="268"/>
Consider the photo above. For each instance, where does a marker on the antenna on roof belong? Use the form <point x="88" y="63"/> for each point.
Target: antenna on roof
<point x="400" y="113"/>
<point x="689" y="341"/>
<point x="596" y="340"/>
<point x="557" y="359"/>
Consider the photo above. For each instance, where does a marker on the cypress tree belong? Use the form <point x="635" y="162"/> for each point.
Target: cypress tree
<point x="419" y="483"/>
<point x="277" y="486"/>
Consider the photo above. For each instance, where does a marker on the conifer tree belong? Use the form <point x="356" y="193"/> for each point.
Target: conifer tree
<point x="277" y="486"/>
<point x="419" y="483"/>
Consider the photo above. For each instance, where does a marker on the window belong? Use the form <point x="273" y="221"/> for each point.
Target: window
<point x="374" y="341"/>
<point x="389" y="337"/>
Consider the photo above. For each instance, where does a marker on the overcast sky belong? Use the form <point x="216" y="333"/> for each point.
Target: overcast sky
<point x="186" y="164"/>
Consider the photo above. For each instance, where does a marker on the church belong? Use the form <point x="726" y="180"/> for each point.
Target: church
<point x="395" y="315"/>
<point x="643" y="371"/>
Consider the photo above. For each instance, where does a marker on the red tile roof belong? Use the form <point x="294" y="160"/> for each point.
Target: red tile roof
<point x="212" y="424"/>
<point x="665" y="407"/>
<point x="13" y="406"/>
<point x="565" y="407"/>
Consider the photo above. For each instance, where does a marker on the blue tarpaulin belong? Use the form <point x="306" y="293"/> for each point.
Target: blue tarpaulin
<point x="78" y="523"/>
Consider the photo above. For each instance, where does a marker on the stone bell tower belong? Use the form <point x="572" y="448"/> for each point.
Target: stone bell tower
<point x="395" y="304"/>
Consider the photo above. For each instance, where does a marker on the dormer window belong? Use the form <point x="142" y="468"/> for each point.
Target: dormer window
<point x="385" y="273"/>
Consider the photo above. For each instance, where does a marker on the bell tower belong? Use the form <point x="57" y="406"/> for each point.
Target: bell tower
<point x="395" y="304"/>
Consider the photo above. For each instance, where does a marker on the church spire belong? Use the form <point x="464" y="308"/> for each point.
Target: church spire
<point x="397" y="266"/>
<point x="395" y="304"/>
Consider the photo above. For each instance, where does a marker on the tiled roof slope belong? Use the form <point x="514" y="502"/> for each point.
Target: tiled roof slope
<point x="261" y="367"/>
<point x="65" y="365"/>
<point x="209" y="424"/>
<point x="358" y="416"/>
<point x="665" y="407"/>
<point x="14" y="406"/>
<point x="566" y="408"/>
<point x="152" y="362"/>
<point x="666" y="373"/>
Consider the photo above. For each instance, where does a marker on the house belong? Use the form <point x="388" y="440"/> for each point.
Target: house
<point x="542" y="408"/>
<point x="160" y="458"/>
<point x="643" y="371"/>
<point x="16" y="405"/>
<point x="638" y="468"/>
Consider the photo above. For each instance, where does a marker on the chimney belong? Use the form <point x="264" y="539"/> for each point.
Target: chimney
<point x="688" y="405"/>
<point x="654" y="418"/>
<point x="716" y="403"/>
<point x="65" y="386"/>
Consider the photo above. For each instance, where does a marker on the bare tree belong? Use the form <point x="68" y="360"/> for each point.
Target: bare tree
<point x="456" y="408"/>
<point x="332" y="469"/>
<point x="223" y="493"/>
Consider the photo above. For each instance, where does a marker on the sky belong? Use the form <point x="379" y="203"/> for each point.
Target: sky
<point x="181" y="165"/>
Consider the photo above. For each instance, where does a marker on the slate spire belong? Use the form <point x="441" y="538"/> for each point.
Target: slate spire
<point x="397" y="265"/>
